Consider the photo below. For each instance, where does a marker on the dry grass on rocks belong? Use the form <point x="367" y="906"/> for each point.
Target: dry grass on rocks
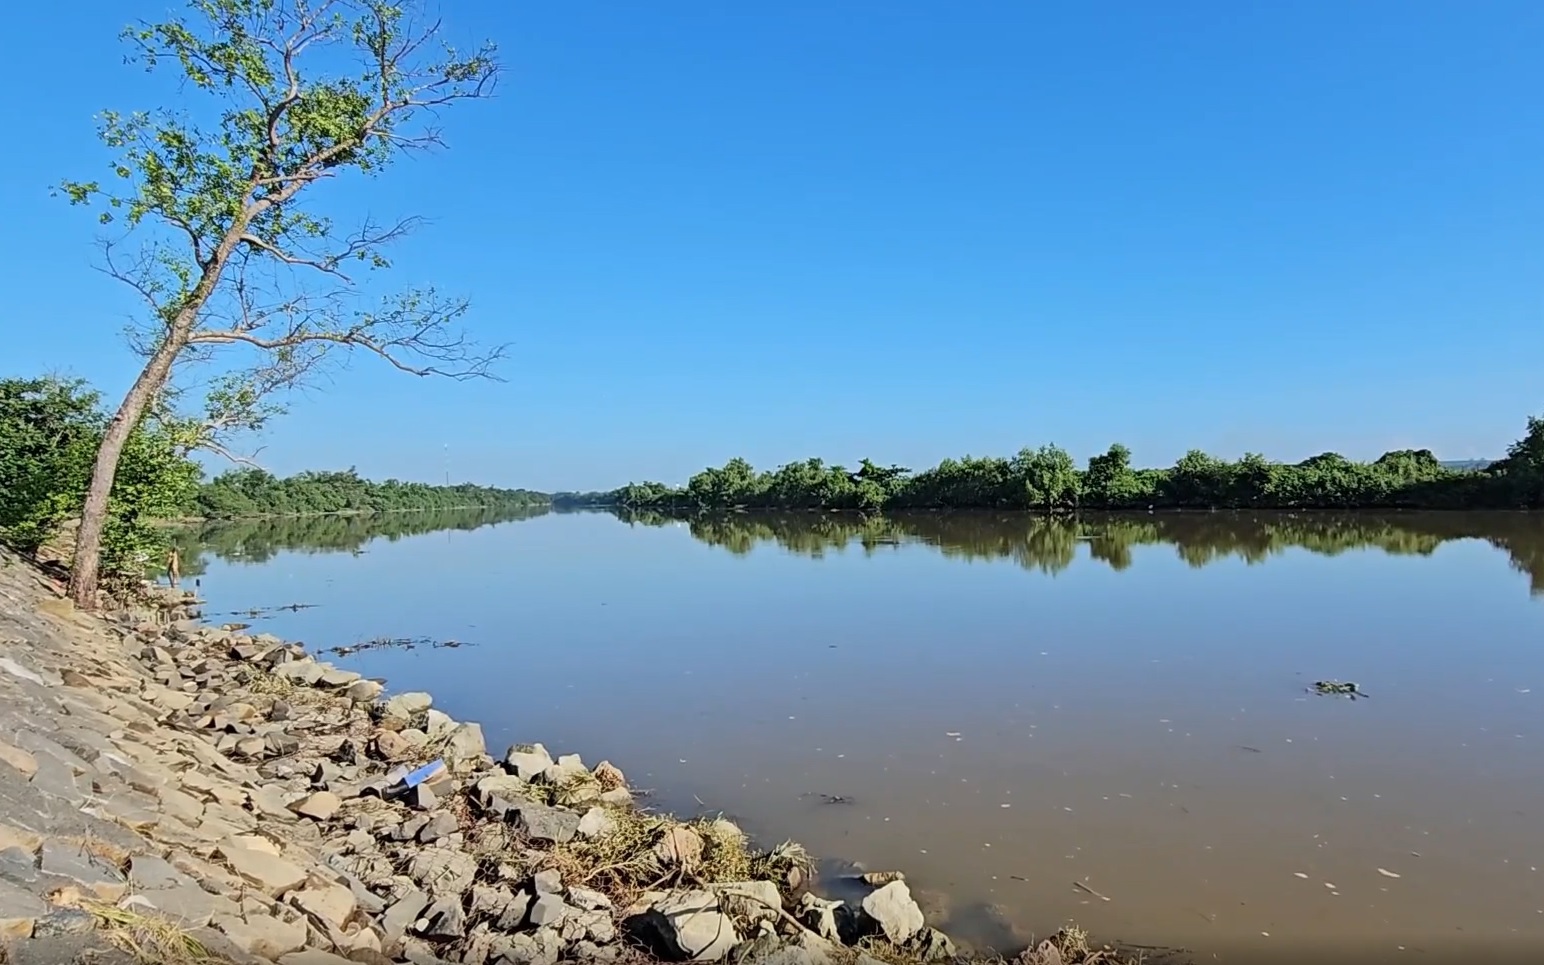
<point x="633" y="857"/>
<point x="150" y="939"/>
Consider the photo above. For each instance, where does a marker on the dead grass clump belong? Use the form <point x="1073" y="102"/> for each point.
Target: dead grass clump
<point x="580" y="789"/>
<point x="626" y="861"/>
<point x="261" y="682"/>
<point x="621" y="863"/>
<point x="494" y="843"/>
<point x="150" y="939"/>
<point x="1070" y="946"/>
<point x="878" y="948"/>
<point x="726" y="855"/>
<point x="788" y="865"/>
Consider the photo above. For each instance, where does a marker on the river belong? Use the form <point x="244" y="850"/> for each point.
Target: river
<point x="1003" y="705"/>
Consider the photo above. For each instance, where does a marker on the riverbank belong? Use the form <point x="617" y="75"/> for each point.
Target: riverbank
<point x="171" y="790"/>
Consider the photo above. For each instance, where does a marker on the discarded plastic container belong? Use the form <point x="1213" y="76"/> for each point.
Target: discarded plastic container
<point x="401" y="780"/>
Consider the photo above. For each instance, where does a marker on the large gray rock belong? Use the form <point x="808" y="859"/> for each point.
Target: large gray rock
<point x="750" y="901"/>
<point x="437" y="723"/>
<point x="271" y="873"/>
<point x="444" y="920"/>
<point x="819" y="914"/>
<point x="402" y="914"/>
<point x="23" y="761"/>
<point x="548" y="909"/>
<point x="506" y="786"/>
<point x="263" y="935"/>
<point x="406" y="706"/>
<point x="932" y="945"/>
<point x="333" y="904"/>
<point x="189" y="905"/>
<point x="805" y="950"/>
<point x="443" y="872"/>
<point x="305" y="672"/>
<point x="565" y="770"/>
<point x="527" y="761"/>
<point x="19" y="911"/>
<point x="314" y="956"/>
<point x="363" y="691"/>
<point x="73" y="862"/>
<point x="893" y="912"/>
<point x="588" y="899"/>
<point x="333" y="677"/>
<point x="464" y="744"/>
<point x="441" y="824"/>
<point x="149" y="872"/>
<point x="540" y="948"/>
<point x="320" y="806"/>
<point x="596" y="823"/>
<point x="543" y="824"/>
<point x="597" y="925"/>
<point x="687" y="926"/>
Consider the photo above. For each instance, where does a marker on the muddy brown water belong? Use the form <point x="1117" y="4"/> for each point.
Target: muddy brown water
<point x="1007" y="705"/>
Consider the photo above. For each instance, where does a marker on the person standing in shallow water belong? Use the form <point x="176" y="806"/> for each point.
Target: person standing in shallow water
<point x="173" y="567"/>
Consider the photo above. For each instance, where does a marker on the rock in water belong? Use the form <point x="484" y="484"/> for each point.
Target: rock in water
<point x="893" y="912"/>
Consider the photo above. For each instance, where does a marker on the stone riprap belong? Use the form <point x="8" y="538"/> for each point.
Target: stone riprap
<point x="159" y="775"/>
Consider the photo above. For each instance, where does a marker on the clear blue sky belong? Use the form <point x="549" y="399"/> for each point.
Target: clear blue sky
<point x="905" y="230"/>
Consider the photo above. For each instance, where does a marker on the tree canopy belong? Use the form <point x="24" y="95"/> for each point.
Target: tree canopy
<point x="1048" y="479"/>
<point x="49" y="432"/>
<point x="254" y="492"/>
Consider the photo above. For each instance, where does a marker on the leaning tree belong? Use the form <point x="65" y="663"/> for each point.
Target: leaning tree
<point x="232" y="258"/>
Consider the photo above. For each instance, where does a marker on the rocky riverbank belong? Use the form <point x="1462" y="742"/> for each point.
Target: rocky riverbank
<point x="172" y="791"/>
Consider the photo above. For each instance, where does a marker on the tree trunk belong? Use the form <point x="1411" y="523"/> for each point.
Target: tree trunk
<point x="86" y="567"/>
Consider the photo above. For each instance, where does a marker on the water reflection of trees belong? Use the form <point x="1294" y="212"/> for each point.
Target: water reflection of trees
<point x="1049" y="544"/>
<point x="259" y="540"/>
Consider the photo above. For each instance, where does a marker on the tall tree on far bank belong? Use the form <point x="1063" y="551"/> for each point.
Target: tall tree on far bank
<point x="235" y="258"/>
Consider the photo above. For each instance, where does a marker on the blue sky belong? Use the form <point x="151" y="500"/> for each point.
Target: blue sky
<point x="905" y="230"/>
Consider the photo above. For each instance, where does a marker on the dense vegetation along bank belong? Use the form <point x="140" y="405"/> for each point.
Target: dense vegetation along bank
<point x="50" y="429"/>
<point x="189" y="793"/>
<point x="253" y="492"/>
<point x="1048" y="479"/>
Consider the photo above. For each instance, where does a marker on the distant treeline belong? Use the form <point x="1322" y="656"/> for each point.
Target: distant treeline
<point x="1048" y="479"/>
<point x="253" y="492"/>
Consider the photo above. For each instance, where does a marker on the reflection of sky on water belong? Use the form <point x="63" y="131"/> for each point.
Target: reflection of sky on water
<point x="749" y="679"/>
